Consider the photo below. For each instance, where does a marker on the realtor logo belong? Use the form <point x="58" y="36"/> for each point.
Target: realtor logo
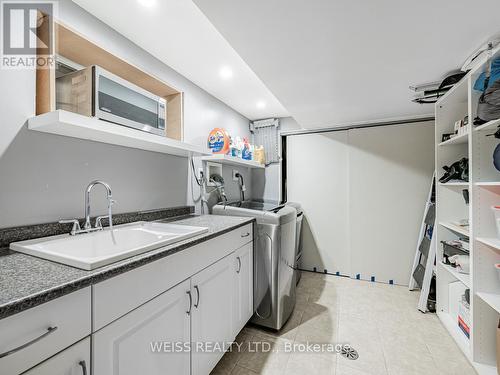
<point x="27" y="34"/>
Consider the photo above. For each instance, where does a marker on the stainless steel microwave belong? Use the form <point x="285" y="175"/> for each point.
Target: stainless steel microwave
<point x="96" y="92"/>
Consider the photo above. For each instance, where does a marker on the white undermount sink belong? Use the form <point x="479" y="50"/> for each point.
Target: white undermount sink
<point x="92" y="250"/>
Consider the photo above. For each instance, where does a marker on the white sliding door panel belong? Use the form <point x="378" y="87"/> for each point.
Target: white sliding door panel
<point x="363" y="192"/>
<point x="390" y="171"/>
<point x="317" y="178"/>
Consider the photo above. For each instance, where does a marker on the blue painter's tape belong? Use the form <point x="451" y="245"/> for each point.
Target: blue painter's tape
<point x="373" y="278"/>
<point x="358" y="276"/>
<point x="337" y="273"/>
<point x="391" y="282"/>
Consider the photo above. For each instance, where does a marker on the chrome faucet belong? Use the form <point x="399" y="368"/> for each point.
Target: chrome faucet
<point x="87" y="227"/>
<point x="87" y="224"/>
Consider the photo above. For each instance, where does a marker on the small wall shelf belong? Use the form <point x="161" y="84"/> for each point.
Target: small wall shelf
<point x="77" y="126"/>
<point x="231" y="160"/>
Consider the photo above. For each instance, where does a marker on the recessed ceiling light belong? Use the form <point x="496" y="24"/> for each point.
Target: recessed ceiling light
<point x="147" y="3"/>
<point x="226" y="72"/>
<point x="261" y="104"/>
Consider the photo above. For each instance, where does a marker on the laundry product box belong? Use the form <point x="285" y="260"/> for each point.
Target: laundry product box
<point x="458" y="308"/>
<point x="464" y="317"/>
<point x="456" y="290"/>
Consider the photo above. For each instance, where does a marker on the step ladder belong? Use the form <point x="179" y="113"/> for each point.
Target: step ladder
<point x="425" y="255"/>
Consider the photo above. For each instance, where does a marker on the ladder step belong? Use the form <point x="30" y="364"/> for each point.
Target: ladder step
<point x="418" y="275"/>
<point x="425" y="245"/>
<point x="431" y="214"/>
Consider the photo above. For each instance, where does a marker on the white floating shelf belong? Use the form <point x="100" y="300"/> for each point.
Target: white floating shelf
<point x="459" y="139"/>
<point x="73" y="125"/>
<point x="456" y="228"/>
<point x="231" y="160"/>
<point x="491" y="242"/>
<point x="490" y="125"/>
<point x="491" y="299"/>
<point x="462" y="277"/>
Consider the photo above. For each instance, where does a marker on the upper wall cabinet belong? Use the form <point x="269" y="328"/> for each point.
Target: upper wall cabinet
<point x="81" y="52"/>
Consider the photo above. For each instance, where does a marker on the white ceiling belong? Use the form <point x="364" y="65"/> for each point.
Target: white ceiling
<point x="332" y="62"/>
<point x="177" y="32"/>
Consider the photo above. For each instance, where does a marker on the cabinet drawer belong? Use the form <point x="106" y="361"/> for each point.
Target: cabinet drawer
<point x="242" y="235"/>
<point x="34" y="335"/>
<point x="73" y="361"/>
<point x="117" y="296"/>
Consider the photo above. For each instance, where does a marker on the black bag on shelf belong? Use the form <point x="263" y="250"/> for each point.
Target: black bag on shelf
<point x="488" y="107"/>
<point x="459" y="170"/>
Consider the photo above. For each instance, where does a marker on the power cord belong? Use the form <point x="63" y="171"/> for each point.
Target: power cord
<point x="242" y="186"/>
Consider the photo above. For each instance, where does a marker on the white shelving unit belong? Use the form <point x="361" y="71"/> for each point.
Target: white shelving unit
<point x="74" y="125"/>
<point x="484" y="192"/>
<point x="231" y="160"/>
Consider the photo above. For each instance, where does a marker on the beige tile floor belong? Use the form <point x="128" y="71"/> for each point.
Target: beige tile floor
<point x="380" y="321"/>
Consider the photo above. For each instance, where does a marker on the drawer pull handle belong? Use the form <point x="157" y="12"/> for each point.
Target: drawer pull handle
<point x="197" y="296"/>
<point x="245" y="235"/>
<point x="84" y="367"/>
<point x="190" y="302"/>
<point x="42" y="336"/>
<point x="239" y="264"/>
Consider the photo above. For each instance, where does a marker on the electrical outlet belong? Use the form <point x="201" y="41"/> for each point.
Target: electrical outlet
<point x="235" y="172"/>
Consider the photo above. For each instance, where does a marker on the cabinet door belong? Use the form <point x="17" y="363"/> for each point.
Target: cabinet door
<point x="73" y="361"/>
<point x="243" y="287"/>
<point x="142" y="342"/>
<point x="212" y="291"/>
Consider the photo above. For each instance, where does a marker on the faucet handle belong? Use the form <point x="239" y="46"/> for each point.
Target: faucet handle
<point x="98" y="221"/>
<point x="75" y="222"/>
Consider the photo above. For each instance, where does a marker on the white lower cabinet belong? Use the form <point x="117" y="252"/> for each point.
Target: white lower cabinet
<point x="141" y="341"/>
<point x="34" y="335"/>
<point x="211" y="317"/>
<point x="242" y="287"/>
<point x="198" y="311"/>
<point x="139" y="329"/>
<point x="73" y="361"/>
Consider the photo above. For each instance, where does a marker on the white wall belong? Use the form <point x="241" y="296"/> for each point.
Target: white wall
<point x="42" y="176"/>
<point x="363" y="192"/>
<point x="318" y="179"/>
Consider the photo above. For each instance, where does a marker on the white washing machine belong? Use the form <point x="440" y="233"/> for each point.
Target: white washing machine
<point x="274" y="259"/>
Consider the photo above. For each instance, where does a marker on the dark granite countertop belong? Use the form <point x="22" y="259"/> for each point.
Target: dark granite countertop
<point x="27" y="281"/>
